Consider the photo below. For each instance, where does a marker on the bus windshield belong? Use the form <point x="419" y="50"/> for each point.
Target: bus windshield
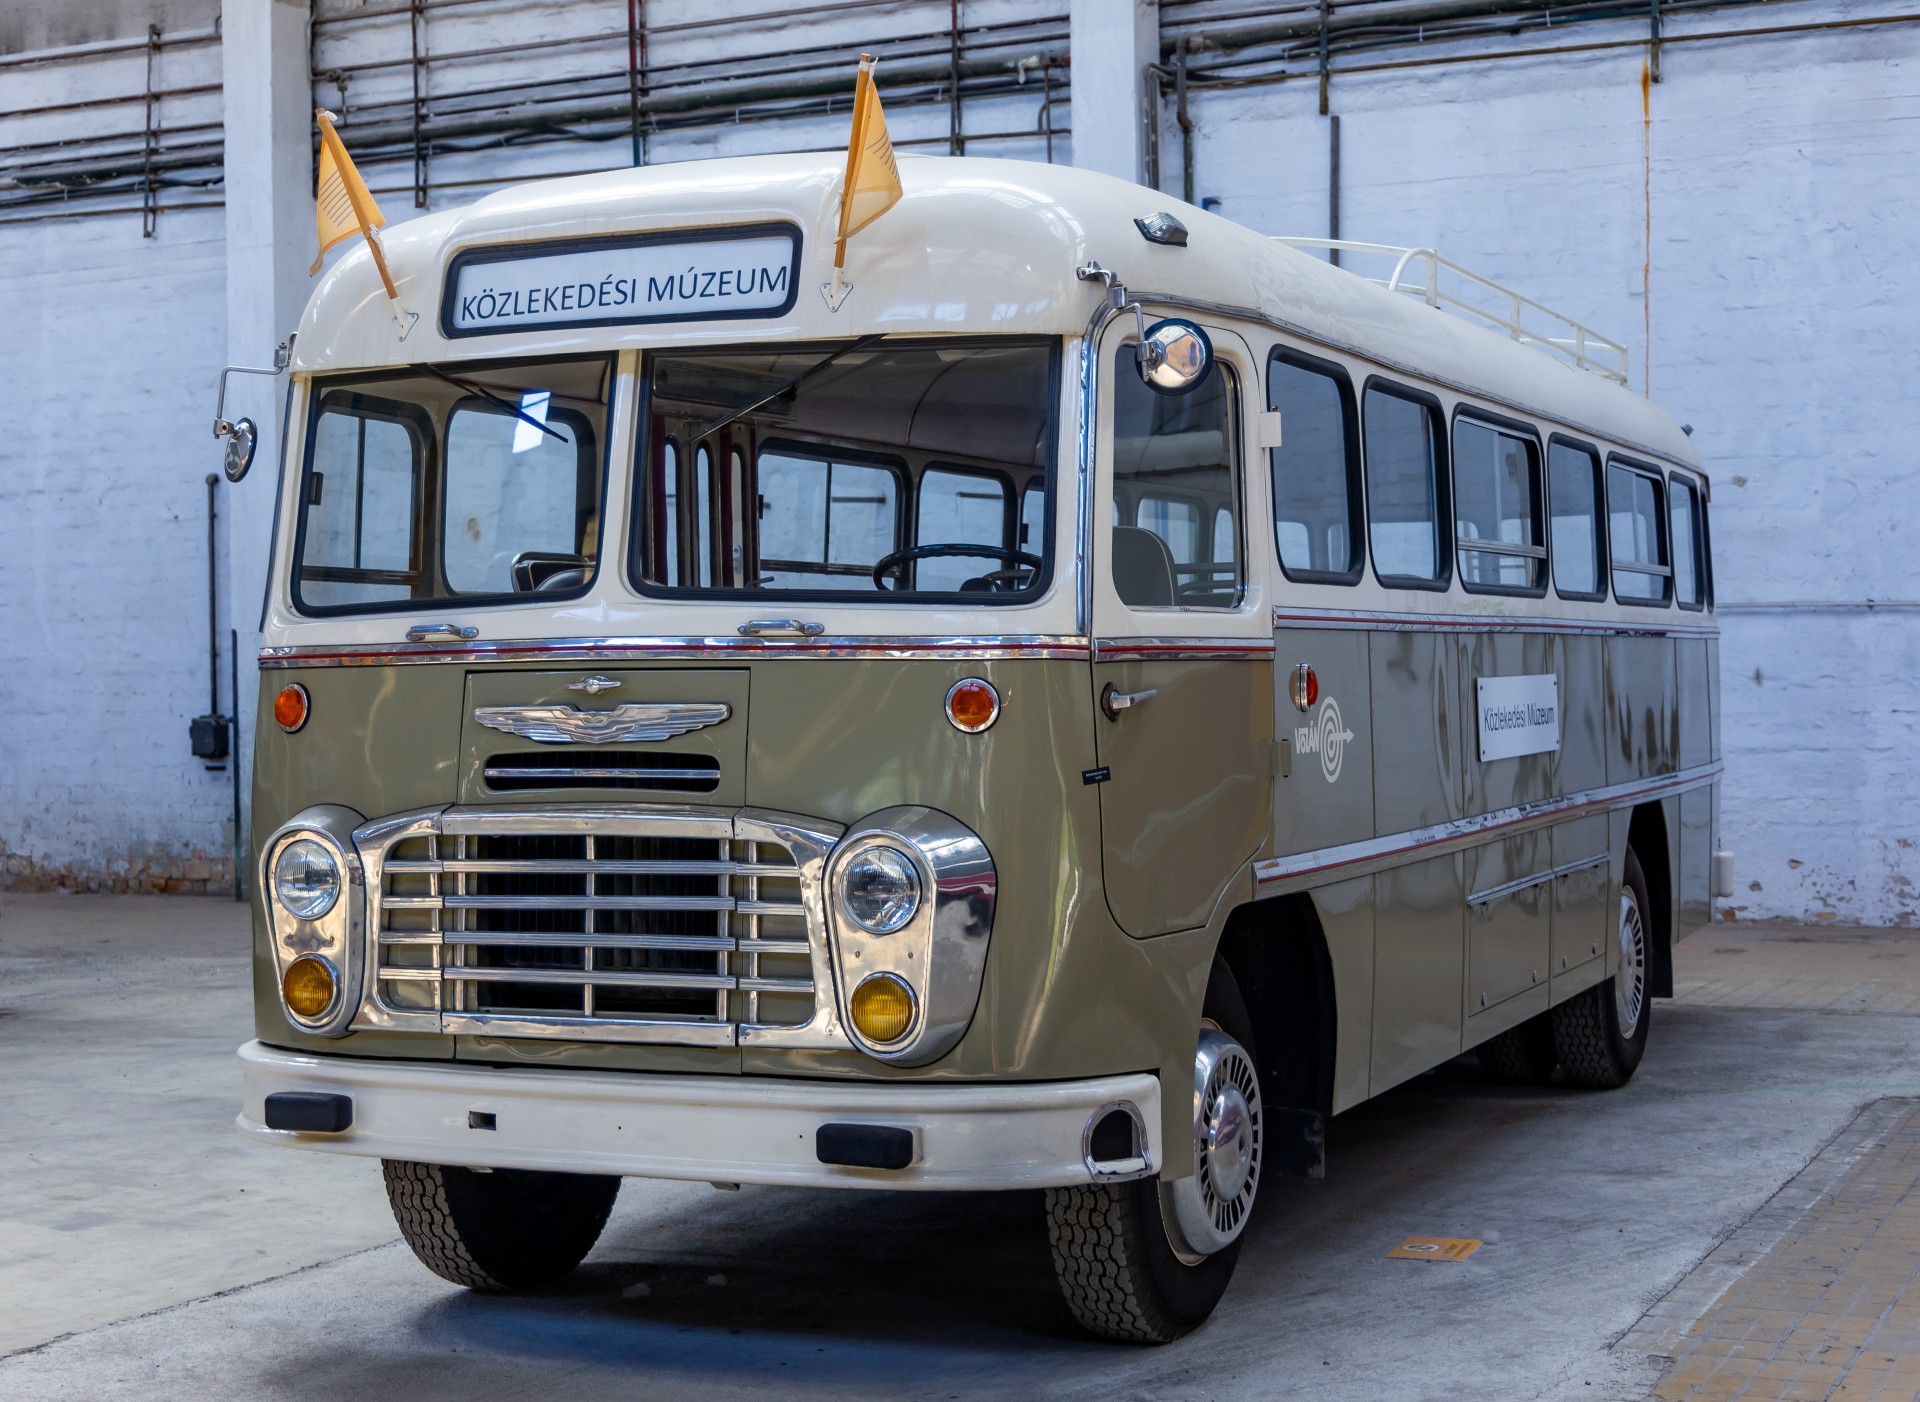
<point x="917" y="471"/>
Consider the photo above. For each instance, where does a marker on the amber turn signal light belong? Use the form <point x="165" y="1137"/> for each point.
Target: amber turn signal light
<point x="972" y="705"/>
<point x="882" y="1008"/>
<point x="308" y="987"/>
<point x="290" y="707"/>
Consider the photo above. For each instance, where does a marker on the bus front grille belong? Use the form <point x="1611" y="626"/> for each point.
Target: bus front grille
<point x="691" y="929"/>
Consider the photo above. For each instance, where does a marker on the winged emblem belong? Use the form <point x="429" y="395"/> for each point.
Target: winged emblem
<point x="637" y="720"/>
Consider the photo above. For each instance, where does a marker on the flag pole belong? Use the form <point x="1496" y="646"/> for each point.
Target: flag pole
<point x="862" y="81"/>
<point x="344" y="162"/>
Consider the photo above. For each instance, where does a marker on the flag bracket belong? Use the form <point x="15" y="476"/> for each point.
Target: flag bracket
<point x="835" y="292"/>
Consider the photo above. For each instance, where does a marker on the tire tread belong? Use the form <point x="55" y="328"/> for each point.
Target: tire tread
<point x="1095" y="1235"/>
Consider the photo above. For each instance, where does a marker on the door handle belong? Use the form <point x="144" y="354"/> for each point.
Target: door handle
<point x="794" y="627"/>
<point x="1113" y="700"/>
<point x="420" y="632"/>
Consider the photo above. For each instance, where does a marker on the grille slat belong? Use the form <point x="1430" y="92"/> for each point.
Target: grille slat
<point x="528" y="925"/>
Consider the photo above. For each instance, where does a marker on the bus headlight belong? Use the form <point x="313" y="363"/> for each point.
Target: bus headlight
<point x="911" y="911"/>
<point x="879" y="889"/>
<point x="315" y="924"/>
<point x="306" y="879"/>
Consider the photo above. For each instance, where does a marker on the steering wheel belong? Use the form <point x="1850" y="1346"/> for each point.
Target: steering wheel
<point x="889" y="564"/>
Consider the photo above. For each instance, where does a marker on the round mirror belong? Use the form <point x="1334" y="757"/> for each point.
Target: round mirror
<point x="1175" y="356"/>
<point x="240" y="445"/>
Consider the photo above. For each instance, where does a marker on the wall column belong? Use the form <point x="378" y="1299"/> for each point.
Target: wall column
<point x="270" y="241"/>
<point x="1111" y="42"/>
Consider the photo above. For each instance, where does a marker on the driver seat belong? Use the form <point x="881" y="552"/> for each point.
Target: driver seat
<point x="1142" y="568"/>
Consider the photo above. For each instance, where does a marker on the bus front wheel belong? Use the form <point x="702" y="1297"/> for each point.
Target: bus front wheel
<point x="1601" y="1034"/>
<point x="505" y="1229"/>
<point x="1146" y="1261"/>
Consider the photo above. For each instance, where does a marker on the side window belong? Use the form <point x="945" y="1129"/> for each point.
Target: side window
<point x="1175" y="457"/>
<point x="1033" y="519"/>
<point x="1689" y="578"/>
<point x="362" y="508"/>
<point x="959" y="508"/>
<point x="1496" y="509"/>
<point x="1316" y="471"/>
<point x="1403" y="489"/>
<point x="1637" y="530"/>
<point x="670" y="509"/>
<point x="1573" y="492"/>
<point x="705" y="543"/>
<point x="824" y="524"/>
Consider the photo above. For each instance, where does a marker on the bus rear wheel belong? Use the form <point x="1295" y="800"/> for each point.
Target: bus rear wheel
<point x="1601" y="1034"/>
<point x="506" y="1229"/>
<point x="1146" y="1262"/>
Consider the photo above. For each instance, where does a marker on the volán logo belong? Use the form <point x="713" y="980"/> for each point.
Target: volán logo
<point x="1325" y="736"/>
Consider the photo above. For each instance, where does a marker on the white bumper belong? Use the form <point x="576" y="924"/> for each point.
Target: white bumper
<point x="730" y="1129"/>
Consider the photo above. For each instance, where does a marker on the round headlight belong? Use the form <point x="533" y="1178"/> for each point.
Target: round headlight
<point x="308" y="986"/>
<point x="880" y="889"/>
<point x="306" y="879"/>
<point x="882" y="1008"/>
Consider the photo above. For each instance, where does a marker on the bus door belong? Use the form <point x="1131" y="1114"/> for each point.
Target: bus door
<point x="1182" y="671"/>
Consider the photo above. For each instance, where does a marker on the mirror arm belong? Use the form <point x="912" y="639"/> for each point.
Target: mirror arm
<point x="282" y="358"/>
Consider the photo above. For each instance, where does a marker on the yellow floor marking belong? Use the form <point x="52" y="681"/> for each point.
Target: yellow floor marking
<point x="1435" y="1248"/>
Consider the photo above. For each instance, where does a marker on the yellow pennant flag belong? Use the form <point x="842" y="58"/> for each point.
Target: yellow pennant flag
<point x="343" y="204"/>
<point x="872" y="186"/>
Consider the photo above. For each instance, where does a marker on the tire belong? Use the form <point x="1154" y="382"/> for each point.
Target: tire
<point x="510" y="1229"/>
<point x="1113" y="1250"/>
<point x="1523" y="1055"/>
<point x="1601" y="1033"/>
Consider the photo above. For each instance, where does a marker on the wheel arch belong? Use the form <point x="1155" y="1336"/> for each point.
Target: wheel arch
<point x="1647" y="835"/>
<point x="1277" y="953"/>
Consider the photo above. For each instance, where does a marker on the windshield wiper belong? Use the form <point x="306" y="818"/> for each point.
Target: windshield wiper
<point x="471" y="388"/>
<point x="794" y="383"/>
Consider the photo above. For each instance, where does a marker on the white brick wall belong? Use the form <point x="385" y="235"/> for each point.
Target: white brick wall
<point x="1751" y="233"/>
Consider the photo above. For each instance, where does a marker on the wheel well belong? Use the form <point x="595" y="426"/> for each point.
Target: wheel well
<point x="1278" y="955"/>
<point x="1647" y="835"/>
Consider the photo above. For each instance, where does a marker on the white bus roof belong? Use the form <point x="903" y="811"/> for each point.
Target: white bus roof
<point x="976" y="246"/>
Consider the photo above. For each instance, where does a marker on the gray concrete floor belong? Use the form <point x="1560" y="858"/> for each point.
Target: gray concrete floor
<point x="146" y="1250"/>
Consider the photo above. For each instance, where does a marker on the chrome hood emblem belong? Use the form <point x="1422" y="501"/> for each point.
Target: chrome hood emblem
<point x="594" y="685"/>
<point x="637" y="720"/>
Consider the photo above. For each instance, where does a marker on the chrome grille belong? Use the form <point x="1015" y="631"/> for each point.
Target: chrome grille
<point x="683" y="926"/>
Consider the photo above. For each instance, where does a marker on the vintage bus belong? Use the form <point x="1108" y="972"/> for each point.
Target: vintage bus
<point x="1071" y="712"/>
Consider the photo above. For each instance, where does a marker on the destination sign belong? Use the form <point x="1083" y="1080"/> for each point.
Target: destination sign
<point x="697" y="276"/>
<point x="1518" y="716"/>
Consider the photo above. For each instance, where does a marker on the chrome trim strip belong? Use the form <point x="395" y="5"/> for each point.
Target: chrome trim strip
<point x="1181" y="649"/>
<point x="1361" y="621"/>
<point x="639" y="778"/>
<point x="1298" y="871"/>
<point x="1509" y="888"/>
<point x="1067" y="648"/>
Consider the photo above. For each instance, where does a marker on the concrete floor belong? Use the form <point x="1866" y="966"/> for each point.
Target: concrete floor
<point x="146" y="1250"/>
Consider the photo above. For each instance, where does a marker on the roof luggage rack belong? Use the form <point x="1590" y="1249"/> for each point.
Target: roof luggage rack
<point x="1416" y="272"/>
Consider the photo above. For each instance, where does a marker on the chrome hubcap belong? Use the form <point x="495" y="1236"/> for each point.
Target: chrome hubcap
<point x="1630" y="983"/>
<point x="1206" y="1212"/>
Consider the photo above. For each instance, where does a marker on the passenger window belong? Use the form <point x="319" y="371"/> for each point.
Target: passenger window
<point x="1316" y="472"/>
<point x="670" y="510"/>
<point x="362" y="502"/>
<point x="1638" y="535"/>
<point x="959" y="508"/>
<point x="823" y="524"/>
<point x="1688" y="589"/>
<point x="1403" y="489"/>
<point x="1573" y="493"/>
<point x="704" y="543"/>
<point x="1033" y="519"/>
<point x="1175" y="457"/>
<point x="1496" y="510"/>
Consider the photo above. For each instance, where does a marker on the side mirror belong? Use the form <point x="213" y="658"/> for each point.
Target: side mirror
<point x="241" y="441"/>
<point x="1175" y="357"/>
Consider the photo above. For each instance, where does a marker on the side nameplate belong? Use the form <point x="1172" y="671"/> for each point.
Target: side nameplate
<point x="694" y="275"/>
<point x="1518" y="716"/>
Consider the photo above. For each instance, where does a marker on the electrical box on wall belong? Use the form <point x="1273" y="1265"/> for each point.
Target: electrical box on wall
<point x="209" y="737"/>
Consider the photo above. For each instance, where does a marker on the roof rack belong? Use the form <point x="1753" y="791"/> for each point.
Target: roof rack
<point x="1416" y="272"/>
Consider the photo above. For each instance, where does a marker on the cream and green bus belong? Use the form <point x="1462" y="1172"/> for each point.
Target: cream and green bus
<point x="1072" y="709"/>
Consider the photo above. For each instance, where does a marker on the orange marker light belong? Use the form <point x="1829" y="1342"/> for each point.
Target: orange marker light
<point x="290" y="707"/>
<point x="1303" y="687"/>
<point x="973" y="705"/>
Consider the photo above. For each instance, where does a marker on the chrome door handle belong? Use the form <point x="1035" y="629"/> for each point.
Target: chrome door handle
<point x="759" y="627"/>
<point x="420" y="632"/>
<point x="1113" y="700"/>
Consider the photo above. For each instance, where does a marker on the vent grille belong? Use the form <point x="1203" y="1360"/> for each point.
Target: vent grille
<point x="602" y="769"/>
<point x="617" y="935"/>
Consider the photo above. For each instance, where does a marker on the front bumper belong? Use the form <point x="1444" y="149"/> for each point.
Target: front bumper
<point x="730" y="1129"/>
